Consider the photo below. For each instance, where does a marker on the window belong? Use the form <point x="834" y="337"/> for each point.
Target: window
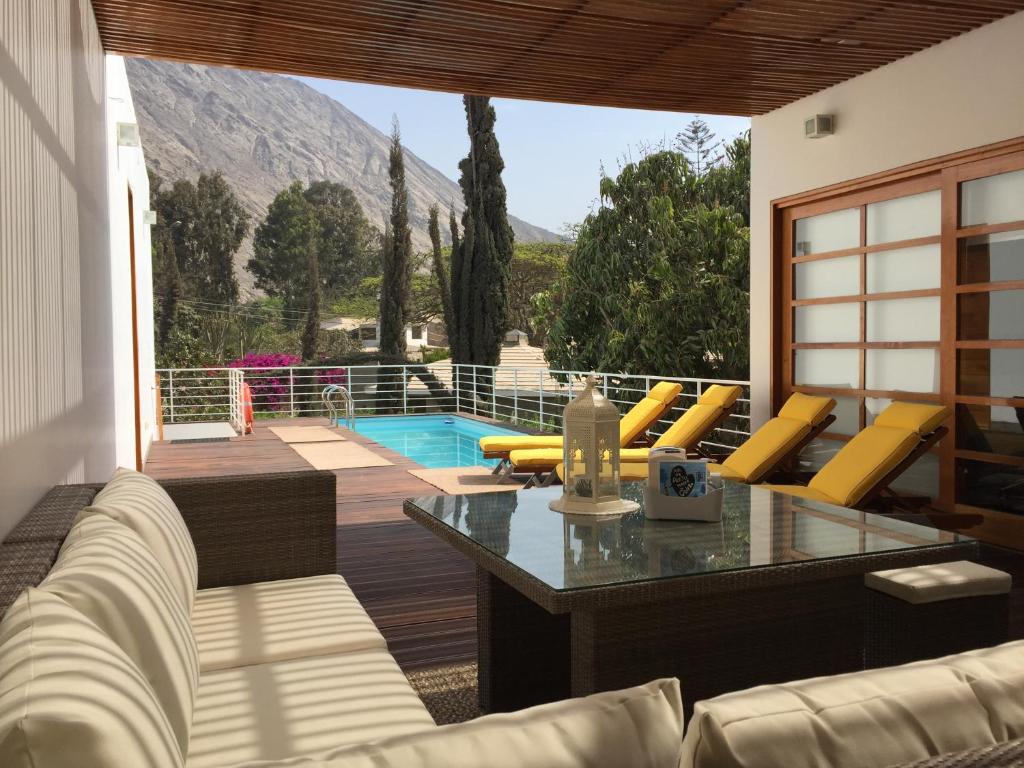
<point x="913" y="290"/>
<point x="417" y="333"/>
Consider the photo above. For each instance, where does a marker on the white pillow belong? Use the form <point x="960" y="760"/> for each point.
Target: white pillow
<point x="106" y="572"/>
<point x="638" y="727"/>
<point x="70" y="697"/>
<point x="140" y="503"/>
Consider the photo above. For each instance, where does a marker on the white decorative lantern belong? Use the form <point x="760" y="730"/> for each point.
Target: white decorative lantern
<point x="590" y="425"/>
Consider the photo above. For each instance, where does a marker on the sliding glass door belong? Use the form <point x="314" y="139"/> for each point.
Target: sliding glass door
<point x="913" y="289"/>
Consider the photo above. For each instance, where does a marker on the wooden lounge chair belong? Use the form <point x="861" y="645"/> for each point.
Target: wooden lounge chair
<point x="632" y="428"/>
<point x="864" y="468"/>
<point x="779" y="441"/>
<point x="710" y="411"/>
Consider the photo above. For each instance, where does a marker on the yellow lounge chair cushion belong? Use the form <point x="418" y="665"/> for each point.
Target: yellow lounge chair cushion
<point x="690" y="428"/>
<point x="722" y="395"/>
<point x="807" y="408"/>
<point x="535" y="459"/>
<point x="765" y="448"/>
<point x="803" y="492"/>
<point x="641" y="416"/>
<point x="919" y="418"/>
<point x="506" y="443"/>
<point x="637" y="420"/>
<point x="862" y="462"/>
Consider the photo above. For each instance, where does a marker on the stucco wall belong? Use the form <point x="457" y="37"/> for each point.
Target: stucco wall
<point x="59" y="297"/>
<point x="964" y="93"/>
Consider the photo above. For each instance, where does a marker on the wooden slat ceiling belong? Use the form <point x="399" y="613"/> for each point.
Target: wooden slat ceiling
<point x="742" y="57"/>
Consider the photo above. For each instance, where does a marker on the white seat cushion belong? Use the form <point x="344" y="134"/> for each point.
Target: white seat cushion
<point x="107" y="573"/>
<point x="301" y="707"/>
<point x="878" y="717"/>
<point x="941" y="581"/>
<point x="280" y="620"/>
<point x="638" y="727"/>
<point x="70" y="697"/>
<point x="140" y="503"/>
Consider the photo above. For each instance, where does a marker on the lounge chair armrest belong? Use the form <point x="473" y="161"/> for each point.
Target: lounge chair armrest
<point x="249" y="528"/>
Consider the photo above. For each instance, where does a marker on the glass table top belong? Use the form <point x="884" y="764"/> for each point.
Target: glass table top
<point x="759" y="528"/>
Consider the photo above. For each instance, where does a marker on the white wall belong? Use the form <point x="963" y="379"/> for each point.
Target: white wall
<point x="58" y="306"/>
<point x="126" y="168"/>
<point x="963" y="93"/>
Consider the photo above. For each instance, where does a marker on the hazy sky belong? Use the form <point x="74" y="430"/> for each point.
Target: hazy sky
<point x="553" y="152"/>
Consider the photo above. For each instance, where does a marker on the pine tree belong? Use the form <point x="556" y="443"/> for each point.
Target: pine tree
<point x="440" y="269"/>
<point x="480" y="265"/>
<point x="397" y="278"/>
<point x="697" y="143"/>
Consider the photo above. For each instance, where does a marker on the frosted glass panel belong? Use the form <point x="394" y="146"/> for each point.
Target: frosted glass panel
<point x="992" y="200"/>
<point x="827" y="232"/>
<point x="826" y="323"/>
<point x="828" y="277"/>
<point x="905" y="370"/>
<point x="995" y="315"/>
<point x="827" y="367"/>
<point x="904" y="218"/>
<point x="905" y="269"/>
<point x="847" y="413"/>
<point x="904" y="319"/>
<point x="995" y="372"/>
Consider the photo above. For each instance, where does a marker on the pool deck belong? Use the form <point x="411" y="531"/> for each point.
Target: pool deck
<point x="417" y="589"/>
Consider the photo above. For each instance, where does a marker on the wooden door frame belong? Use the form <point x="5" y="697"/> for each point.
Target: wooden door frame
<point x="136" y="385"/>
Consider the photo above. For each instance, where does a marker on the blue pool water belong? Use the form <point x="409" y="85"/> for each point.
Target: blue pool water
<point x="432" y="441"/>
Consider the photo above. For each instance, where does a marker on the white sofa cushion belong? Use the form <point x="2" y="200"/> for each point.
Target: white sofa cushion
<point x="939" y="581"/>
<point x="280" y="620"/>
<point x="140" y="503"/>
<point x="301" y="707"/>
<point x="106" y="572"/>
<point x="877" y="717"/>
<point x="638" y="727"/>
<point x="70" y="697"/>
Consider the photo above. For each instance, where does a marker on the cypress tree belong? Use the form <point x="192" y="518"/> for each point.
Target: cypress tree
<point x="440" y="270"/>
<point x="480" y="269"/>
<point x="397" y="278"/>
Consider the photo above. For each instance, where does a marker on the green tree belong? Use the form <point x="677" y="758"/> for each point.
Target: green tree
<point x="658" y="280"/>
<point x="440" y="268"/>
<point x="397" y="255"/>
<point x="481" y="260"/>
<point x="535" y="268"/>
<point x="697" y="142"/>
<point x="347" y="244"/>
<point x="728" y="183"/>
<point x="311" y="332"/>
<point x="199" y="229"/>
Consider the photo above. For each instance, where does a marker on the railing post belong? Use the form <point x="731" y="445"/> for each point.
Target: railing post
<point x="170" y="384"/>
<point x="405" y="390"/>
<point x="474" y="390"/>
<point x="515" y="395"/>
<point x="494" y="392"/>
<point x="291" y="389"/>
<point x="540" y="390"/>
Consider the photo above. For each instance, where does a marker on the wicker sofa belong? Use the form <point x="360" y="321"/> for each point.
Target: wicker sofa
<point x="203" y="624"/>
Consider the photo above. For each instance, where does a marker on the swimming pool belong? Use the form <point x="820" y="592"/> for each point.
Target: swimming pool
<point x="432" y="441"/>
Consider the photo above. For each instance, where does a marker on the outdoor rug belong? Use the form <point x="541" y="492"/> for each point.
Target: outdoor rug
<point x="338" y="455"/>
<point x="448" y="693"/>
<point x="306" y="434"/>
<point x="460" y="481"/>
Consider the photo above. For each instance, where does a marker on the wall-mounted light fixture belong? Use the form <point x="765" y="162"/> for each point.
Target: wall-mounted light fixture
<point x="819" y="126"/>
<point x="127" y="134"/>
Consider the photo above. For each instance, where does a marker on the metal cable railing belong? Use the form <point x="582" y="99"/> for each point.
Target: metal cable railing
<point x="532" y="397"/>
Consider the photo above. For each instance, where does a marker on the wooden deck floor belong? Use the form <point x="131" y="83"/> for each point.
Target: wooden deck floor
<point x="417" y="589"/>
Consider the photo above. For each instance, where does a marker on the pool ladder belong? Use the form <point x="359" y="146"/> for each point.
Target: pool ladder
<point x="331" y="391"/>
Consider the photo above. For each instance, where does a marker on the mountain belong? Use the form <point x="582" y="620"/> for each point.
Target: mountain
<point x="265" y="131"/>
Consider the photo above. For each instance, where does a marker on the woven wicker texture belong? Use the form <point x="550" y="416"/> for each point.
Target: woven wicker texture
<point x="1009" y="754"/>
<point x="24" y="564"/>
<point x="448" y="693"/>
<point x="51" y="518"/>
